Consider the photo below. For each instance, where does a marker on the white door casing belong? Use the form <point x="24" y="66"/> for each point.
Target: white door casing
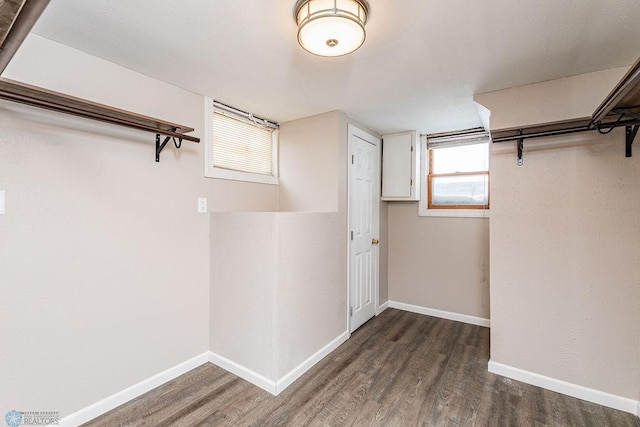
<point x="364" y="212"/>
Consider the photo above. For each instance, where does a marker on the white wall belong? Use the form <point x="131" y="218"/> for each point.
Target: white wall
<point x="104" y="271"/>
<point x="238" y="196"/>
<point x="278" y="293"/>
<point x="309" y="164"/>
<point x="279" y="280"/>
<point x="243" y="289"/>
<point x="313" y="169"/>
<point x="438" y="262"/>
<point x="311" y="290"/>
<point x="565" y="257"/>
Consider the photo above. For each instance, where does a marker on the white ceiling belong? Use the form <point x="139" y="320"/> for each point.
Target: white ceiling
<point x="421" y="63"/>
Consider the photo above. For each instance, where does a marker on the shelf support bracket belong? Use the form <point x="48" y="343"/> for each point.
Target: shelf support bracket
<point x="520" y="148"/>
<point x="630" y="130"/>
<point x="160" y="145"/>
<point x="630" y="135"/>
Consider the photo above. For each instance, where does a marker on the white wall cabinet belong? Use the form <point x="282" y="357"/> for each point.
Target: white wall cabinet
<point x="400" y="166"/>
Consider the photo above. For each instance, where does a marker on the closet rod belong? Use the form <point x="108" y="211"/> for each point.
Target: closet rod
<point x="17" y="17"/>
<point x="539" y="131"/>
<point x="50" y="100"/>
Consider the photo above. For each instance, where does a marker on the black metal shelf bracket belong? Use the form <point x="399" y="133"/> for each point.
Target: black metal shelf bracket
<point x="630" y="135"/>
<point x="621" y="108"/>
<point x="520" y="148"/>
<point x="160" y="145"/>
<point x="630" y="130"/>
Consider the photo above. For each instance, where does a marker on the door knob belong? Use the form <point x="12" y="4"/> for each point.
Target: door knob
<point x="375" y="241"/>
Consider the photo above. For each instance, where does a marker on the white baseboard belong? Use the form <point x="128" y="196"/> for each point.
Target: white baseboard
<point x="243" y="372"/>
<point x="382" y="307"/>
<point x="90" y="412"/>
<point x="276" y="387"/>
<point x="479" y="321"/>
<point x="299" y="370"/>
<point x="573" y="390"/>
<point x="638" y="410"/>
<point x="117" y="399"/>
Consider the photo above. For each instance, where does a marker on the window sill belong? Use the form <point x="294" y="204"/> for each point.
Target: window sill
<point x="455" y="213"/>
<point x="241" y="176"/>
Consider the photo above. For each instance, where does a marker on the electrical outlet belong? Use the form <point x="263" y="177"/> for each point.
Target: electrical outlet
<point x="202" y="205"/>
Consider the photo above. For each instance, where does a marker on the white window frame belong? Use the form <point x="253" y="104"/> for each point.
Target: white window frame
<point x="210" y="171"/>
<point x="423" y="208"/>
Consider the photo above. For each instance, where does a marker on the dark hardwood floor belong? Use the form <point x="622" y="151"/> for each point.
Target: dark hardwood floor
<point x="399" y="369"/>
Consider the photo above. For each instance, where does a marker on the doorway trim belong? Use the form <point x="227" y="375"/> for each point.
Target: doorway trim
<point x="357" y="132"/>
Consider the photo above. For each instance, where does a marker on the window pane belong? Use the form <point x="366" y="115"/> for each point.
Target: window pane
<point x="466" y="158"/>
<point x="460" y="190"/>
<point x="241" y="146"/>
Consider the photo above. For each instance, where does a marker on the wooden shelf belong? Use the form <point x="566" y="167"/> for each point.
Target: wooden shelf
<point x="626" y="95"/>
<point x="17" y="17"/>
<point x="43" y="98"/>
<point x="620" y="108"/>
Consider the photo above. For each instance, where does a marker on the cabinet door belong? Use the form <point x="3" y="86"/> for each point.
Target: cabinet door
<point x="399" y="166"/>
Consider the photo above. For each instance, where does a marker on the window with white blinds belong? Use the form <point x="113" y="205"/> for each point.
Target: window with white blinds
<point x="242" y="146"/>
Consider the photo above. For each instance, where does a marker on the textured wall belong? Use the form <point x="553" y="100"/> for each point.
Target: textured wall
<point x="309" y="164"/>
<point x="303" y="268"/>
<point x="243" y="289"/>
<point x="565" y="257"/>
<point x="314" y="175"/>
<point x="314" y="167"/>
<point x="311" y="296"/>
<point x="439" y="263"/>
<point x="104" y="271"/>
<point x="278" y="293"/>
<point x="565" y="262"/>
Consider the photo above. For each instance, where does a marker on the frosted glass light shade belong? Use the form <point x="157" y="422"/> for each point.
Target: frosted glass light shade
<point x="331" y="27"/>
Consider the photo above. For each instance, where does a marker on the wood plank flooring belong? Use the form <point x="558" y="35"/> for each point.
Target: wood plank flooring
<point x="398" y="369"/>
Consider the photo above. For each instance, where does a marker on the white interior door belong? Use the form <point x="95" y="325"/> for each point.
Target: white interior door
<point x="364" y="212"/>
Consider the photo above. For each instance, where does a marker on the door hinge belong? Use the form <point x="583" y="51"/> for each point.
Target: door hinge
<point x="352" y="235"/>
<point x="351" y="311"/>
<point x="411" y="182"/>
<point x="352" y="159"/>
<point x="412" y="148"/>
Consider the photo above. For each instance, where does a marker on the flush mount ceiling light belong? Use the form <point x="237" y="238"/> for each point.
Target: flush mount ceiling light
<point x="331" y="27"/>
